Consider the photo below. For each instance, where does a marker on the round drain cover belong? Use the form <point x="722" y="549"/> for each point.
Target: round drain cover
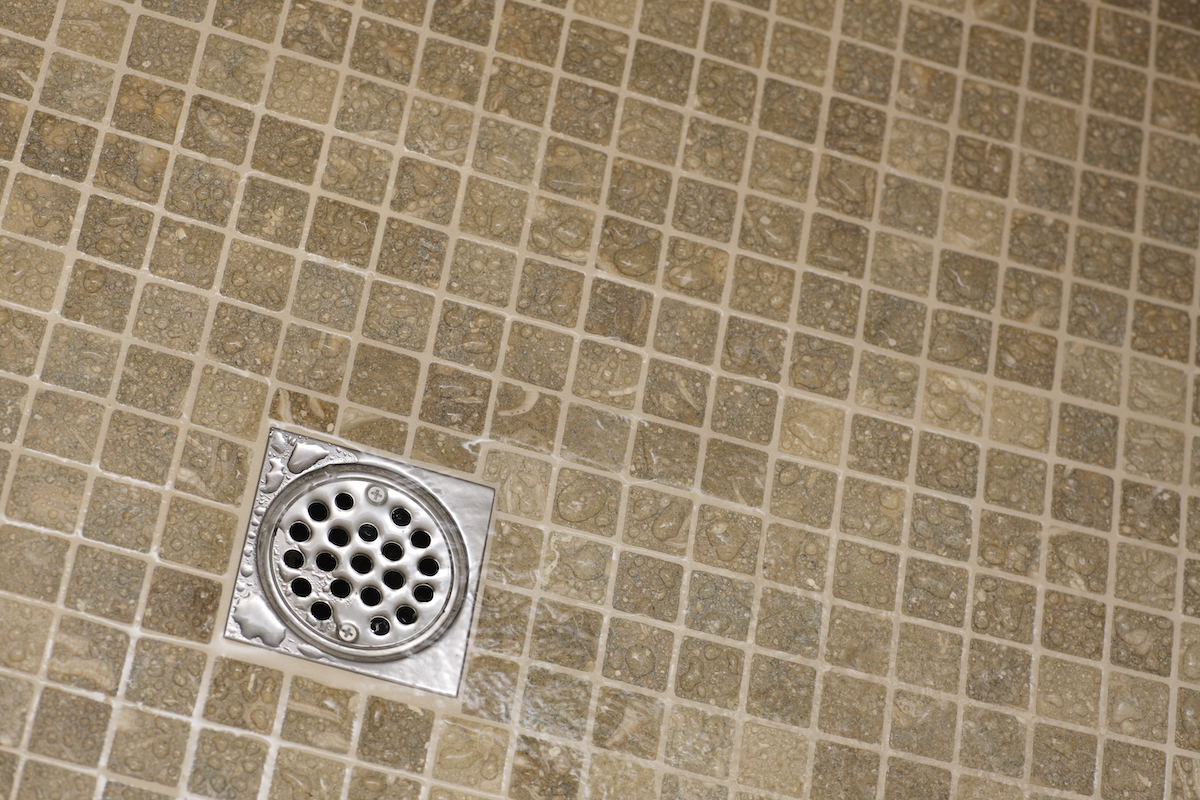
<point x="362" y="563"/>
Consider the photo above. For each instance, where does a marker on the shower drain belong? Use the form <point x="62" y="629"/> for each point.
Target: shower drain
<point x="361" y="562"/>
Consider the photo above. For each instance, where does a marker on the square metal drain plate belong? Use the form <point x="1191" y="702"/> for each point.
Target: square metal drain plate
<point x="361" y="562"/>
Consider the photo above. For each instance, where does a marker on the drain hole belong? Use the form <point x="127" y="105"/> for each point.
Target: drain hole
<point x="339" y="537"/>
<point x="326" y="561"/>
<point x="344" y="501"/>
<point x="368" y="533"/>
<point x="370" y="596"/>
<point x="406" y="614"/>
<point x="428" y="566"/>
<point x="401" y="517"/>
<point x="340" y="588"/>
<point x="362" y="564"/>
<point x="318" y="511"/>
<point x="299" y="532"/>
<point x="301" y="587"/>
<point x="392" y="551"/>
<point x="321" y="610"/>
<point x="393" y="579"/>
<point x="294" y="559"/>
<point x="380" y="626"/>
<point x="423" y="593"/>
<point x="420" y="539"/>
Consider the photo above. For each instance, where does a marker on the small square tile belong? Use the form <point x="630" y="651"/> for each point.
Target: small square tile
<point x="871" y="510"/>
<point x="852" y="707"/>
<point x="803" y="494"/>
<point x="1160" y="331"/>
<point x="375" y="377"/>
<point x="380" y="50"/>
<point x="42" y="209"/>
<point x="933" y="36"/>
<point x="518" y="91"/>
<point x="859" y="640"/>
<point x="463" y="739"/>
<point x="115" y="231"/>
<point x="799" y="54"/>
<point x="163" y="49"/>
<point x="69" y="727"/>
<point x="820" y="366"/>
<point x="1009" y="543"/>
<point x="887" y="384"/>
<point x="1031" y="298"/>
<point x="1141" y="641"/>
<point x="234" y="69"/>
<point x="940" y="527"/>
<point x="139" y="731"/>
<point x="717" y="605"/>
<point x="781" y="691"/>
<point x="841" y="772"/>
<point x="59" y="146"/>
<point x="424" y="191"/>
<point x="863" y="72"/>
<point x="725" y="91"/>
<point x="665" y="454"/>
<point x="960" y="341"/>
<point x="566" y="635"/>
<point x="595" y="438"/>
<point x="537" y="355"/>
<point x="994" y="742"/>
<point x="45" y="494"/>
<point x="1063" y="759"/>
<point x="695" y="270"/>
<point x="530" y="33"/>
<point x="317" y="30"/>
<point x="555" y="703"/>
<point x="186" y="253"/>
<point x="370" y="110"/>
<point x="80" y="359"/>
<point x="220" y="754"/>
<point x="880" y="447"/>
<point x="599" y="53"/>
<point x="625" y="657"/>
<point x="606" y="374"/>
<point x="493" y="211"/>
<point x="828" y="304"/>
<point x="1138" y="707"/>
<point x="924" y="726"/>
<point x="938" y="593"/>
<point x="790" y="111"/>
<point x="900" y="264"/>
<point x="709" y="673"/>
<point x="734" y="472"/>
<point x="987" y="110"/>
<point x="148" y="108"/>
<point x="63" y="425"/>
<point x="243" y="338"/>
<point x="78" y="87"/>
<point x="894" y="322"/>
<point x="855" y="129"/>
<point x="488" y="689"/>
<point x="302" y="89"/>
<point x="243" y="695"/>
<point x="727" y="539"/>
<point x="1015" y="481"/>
<point x="649" y="131"/>
<point x="865" y="575"/>
<point x="998" y="674"/>
<point x="1071" y="624"/>
<point x="455" y="398"/>
<point x="928" y="657"/>
<point x="837" y="246"/>
<point x="38" y="561"/>
<point x="926" y="91"/>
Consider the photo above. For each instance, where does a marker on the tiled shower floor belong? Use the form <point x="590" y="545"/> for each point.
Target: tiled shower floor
<point x="833" y="363"/>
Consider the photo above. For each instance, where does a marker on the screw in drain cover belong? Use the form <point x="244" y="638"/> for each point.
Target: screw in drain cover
<point x="362" y="562"/>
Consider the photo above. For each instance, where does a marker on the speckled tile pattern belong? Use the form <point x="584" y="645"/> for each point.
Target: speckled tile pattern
<point x="833" y="360"/>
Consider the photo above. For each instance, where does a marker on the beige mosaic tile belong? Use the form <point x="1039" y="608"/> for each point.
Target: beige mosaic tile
<point x="832" y="361"/>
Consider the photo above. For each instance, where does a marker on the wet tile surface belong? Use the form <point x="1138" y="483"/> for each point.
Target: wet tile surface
<point x="832" y="361"/>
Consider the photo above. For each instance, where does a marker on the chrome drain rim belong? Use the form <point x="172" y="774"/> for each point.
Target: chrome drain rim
<point x="362" y="563"/>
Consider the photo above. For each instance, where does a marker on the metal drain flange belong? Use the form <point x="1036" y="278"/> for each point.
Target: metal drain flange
<point x="361" y="562"/>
